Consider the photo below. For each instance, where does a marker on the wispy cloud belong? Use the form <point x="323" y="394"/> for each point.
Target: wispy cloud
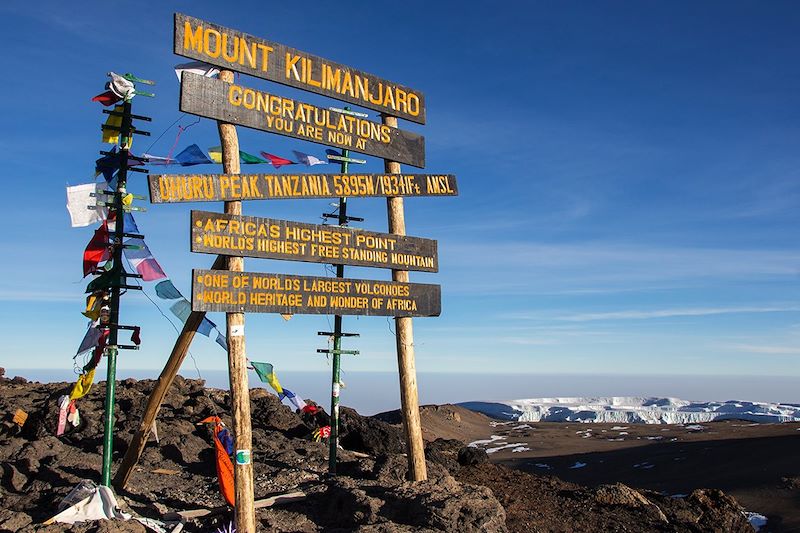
<point x="678" y="312"/>
<point x="765" y="349"/>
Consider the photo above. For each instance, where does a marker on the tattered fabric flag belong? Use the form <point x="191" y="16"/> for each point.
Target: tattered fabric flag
<point x="250" y="159"/>
<point x="107" y="98"/>
<point x="83" y="385"/>
<point x="90" y="340"/>
<point x="296" y="400"/>
<point x="192" y="155"/>
<point x="197" y="67"/>
<point x="158" y="160"/>
<point x="166" y="290"/>
<point x="143" y="261"/>
<point x="205" y="327"/>
<point x="130" y="224"/>
<point x="97" y="250"/>
<point x="103" y="282"/>
<point x="308" y="160"/>
<point x="111" y="135"/>
<point x="222" y="341"/>
<point x="136" y="335"/>
<point x="63" y="407"/>
<point x="79" y="199"/>
<point x="94" y="302"/>
<point x="215" y="153"/>
<point x="276" y="161"/>
<point x="321" y="433"/>
<point x="120" y="86"/>
<point x="109" y="164"/>
<point x="266" y="373"/>
<point x="181" y="309"/>
<point x="223" y="461"/>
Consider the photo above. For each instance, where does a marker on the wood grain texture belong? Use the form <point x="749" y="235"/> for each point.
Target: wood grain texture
<point x="234" y="50"/>
<point x="257" y="292"/>
<point x="244" y="512"/>
<point x="169" y="188"/>
<point x="264" y="111"/>
<point x="404" y="336"/>
<point x="265" y="238"/>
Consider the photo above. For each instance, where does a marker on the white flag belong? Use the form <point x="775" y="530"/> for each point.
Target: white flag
<point x="79" y="198"/>
<point x="308" y="160"/>
<point x="198" y="67"/>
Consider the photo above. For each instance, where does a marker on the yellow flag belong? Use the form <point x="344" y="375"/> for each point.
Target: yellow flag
<point x="82" y="386"/>
<point x="109" y="135"/>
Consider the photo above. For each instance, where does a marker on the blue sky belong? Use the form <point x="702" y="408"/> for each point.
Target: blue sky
<point x="629" y="178"/>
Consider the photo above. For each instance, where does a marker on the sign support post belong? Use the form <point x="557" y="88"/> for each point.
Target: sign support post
<point x="337" y="350"/>
<point x="404" y="332"/>
<point x="237" y="360"/>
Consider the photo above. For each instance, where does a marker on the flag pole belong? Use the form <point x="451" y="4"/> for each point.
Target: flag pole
<point x="237" y="360"/>
<point x="404" y="333"/>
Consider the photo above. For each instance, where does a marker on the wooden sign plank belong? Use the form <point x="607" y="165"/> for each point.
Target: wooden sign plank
<point x="263" y="111"/>
<point x="168" y="188"/>
<point x="265" y="238"/>
<point x="234" y="50"/>
<point x="252" y="292"/>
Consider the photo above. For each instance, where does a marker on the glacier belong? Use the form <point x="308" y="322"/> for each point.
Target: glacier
<point x="634" y="410"/>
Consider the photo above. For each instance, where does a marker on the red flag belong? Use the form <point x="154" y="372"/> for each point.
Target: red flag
<point x="276" y="161"/>
<point x="96" y="250"/>
<point x="107" y="98"/>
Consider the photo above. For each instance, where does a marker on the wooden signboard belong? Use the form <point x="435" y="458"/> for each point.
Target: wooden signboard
<point x="264" y="111"/>
<point x="234" y="50"/>
<point x="251" y="292"/>
<point x="167" y="188"/>
<point x="222" y="234"/>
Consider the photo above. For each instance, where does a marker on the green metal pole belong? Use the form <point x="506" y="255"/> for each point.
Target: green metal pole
<point x="337" y="346"/>
<point x="118" y="270"/>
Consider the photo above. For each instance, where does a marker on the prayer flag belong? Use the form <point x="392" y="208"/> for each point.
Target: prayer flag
<point x="158" y="160"/>
<point x="107" y="98"/>
<point x="79" y="200"/>
<point x="198" y="67"/>
<point x="121" y="87"/>
<point x="215" y="153"/>
<point x="222" y="341"/>
<point x="249" y="159"/>
<point x="167" y="291"/>
<point x="296" y="400"/>
<point x="205" y="327"/>
<point x="192" y="155"/>
<point x="276" y="161"/>
<point x="94" y="302"/>
<point x="106" y="280"/>
<point x="112" y="135"/>
<point x="308" y="160"/>
<point x="267" y="374"/>
<point x="181" y="309"/>
<point x="83" y="385"/>
<point x="90" y="340"/>
<point x="143" y="261"/>
<point x="96" y="250"/>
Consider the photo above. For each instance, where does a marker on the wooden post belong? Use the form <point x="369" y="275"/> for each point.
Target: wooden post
<point x="237" y="360"/>
<point x="404" y="331"/>
<point x="179" y="351"/>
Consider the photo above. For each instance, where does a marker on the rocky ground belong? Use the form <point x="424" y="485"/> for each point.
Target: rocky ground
<point x="464" y="492"/>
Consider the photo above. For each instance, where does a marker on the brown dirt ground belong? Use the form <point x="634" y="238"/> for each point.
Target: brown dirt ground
<point x="755" y="463"/>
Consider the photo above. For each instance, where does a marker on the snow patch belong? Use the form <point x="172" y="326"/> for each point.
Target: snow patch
<point x="756" y="520"/>
<point x="578" y="464"/>
<point x="637" y="410"/>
